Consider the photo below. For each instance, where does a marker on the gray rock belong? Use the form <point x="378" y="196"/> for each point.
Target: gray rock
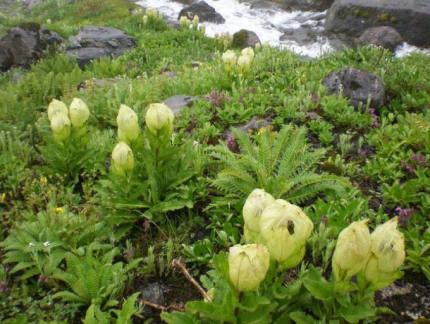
<point x="95" y="42"/>
<point x="23" y="45"/>
<point x="358" y="86"/>
<point x="179" y="102"/>
<point x="204" y="11"/>
<point x="153" y="293"/>
<point x="245" y="38"/>
<point x="312" y="5"/>
<point x="411" y="18"/>
<point x="385" y="37"/>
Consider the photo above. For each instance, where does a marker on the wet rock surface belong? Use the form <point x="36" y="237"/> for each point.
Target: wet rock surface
<point x="245" y="38"/>
<point x="411" y="18"/>
<point x="357" y="85"/>
<point x="313" y="5"/>
<point x="23" y="45"/>
<point x="204" y="11"/>
<point x="95" y="42"/>
<point x="384" y="36"/>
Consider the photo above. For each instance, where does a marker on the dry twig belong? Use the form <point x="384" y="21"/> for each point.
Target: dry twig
<point x="176" y="263"/>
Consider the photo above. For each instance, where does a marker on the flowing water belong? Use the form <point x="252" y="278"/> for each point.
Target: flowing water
<point x="273" y="25"/>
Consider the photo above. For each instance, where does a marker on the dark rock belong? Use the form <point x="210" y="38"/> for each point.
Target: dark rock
<point x="358" y="86"/>
<point x="154" y="293"/>
<point x="204" y="11"/>
<point x="23" y="45"/>
<point x="312" y="5"/>
<point x="179" y="102"/>
<point x="254" y="125"/>
<point x="411" y="18"/>
<point x="385" y="36"/>
<point x="95" y="42"/>
<point x="245" y="38"/>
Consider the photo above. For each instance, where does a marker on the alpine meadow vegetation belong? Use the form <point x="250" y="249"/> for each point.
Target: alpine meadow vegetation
<point x="117" y="208"/>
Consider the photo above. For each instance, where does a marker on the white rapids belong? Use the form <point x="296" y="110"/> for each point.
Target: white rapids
<point x="268" y="23"/>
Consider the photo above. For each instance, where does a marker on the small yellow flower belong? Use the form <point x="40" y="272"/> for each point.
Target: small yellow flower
<point x="43" y="181"/>
<point x="59" y="210"/>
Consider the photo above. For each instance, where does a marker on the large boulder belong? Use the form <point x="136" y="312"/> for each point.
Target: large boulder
<point x="245" y="38"/>
<point x="385" y="36"/>
<point x="358" y="86"/>
<point x="96" y="42"/>
<point x="204" y="11"/>
<point x="411" y="18"/>
<point x="23" y="45"/>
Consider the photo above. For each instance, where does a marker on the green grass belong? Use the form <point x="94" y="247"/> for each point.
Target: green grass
<point x="380" y="163"/>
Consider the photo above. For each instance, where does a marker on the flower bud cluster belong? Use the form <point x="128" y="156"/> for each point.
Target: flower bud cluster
<point x="241" y="63"/>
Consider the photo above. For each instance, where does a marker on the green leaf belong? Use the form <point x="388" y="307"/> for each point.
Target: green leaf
<point x="302" y="318"/>
<point x="179" y="318"/>
<point x="355" y="313"/>
<point x="317" y="285"/>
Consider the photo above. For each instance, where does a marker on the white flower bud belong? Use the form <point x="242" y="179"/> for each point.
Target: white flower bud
<point x="122" y="159"/>
<point x="248" y="52"/>
<point x="248" y="265"/>
<point x="159" y="117"/>
<point x="60" y="125"/>
<point x="79" y="112"/>
<point x="254" y="205"/>
<point x="352" y="250"/>
<point x="285" y="229"/>
<point x="230" y="59"/>
<point x="57" y="106"/>
<point x="184" y="22"/>
<point x="388" y="254"/>
<point x="244" y="63"/>
<point x="128" y="124"/>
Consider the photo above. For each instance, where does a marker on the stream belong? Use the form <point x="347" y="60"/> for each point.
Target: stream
<point x="299" y="31"/>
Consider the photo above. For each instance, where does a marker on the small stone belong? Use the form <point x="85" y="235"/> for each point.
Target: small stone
<point x="179" y="102"/>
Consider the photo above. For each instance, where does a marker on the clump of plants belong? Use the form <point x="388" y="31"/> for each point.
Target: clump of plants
<point x="250" y="282"/>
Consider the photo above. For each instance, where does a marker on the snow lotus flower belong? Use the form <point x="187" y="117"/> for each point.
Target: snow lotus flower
<point x="229" y="59"/>
<point x="244" y="63"/>
<point x="122" y="159"/>
<point x="79" y="112"/>
<point x="195" y="22"/>
<point x="184" y="22"/>
<point x="128" y="124"/>
<point x="159" y="118"/>
<point x="254" y="205"/>
<point x="60" y="126"/>
<point x="248" y="265"/>
<point x="248" y="51"/>
<point x="285" y="229"/>
<point x="352" y="250"/>
<point x="387" y="254"/>
<point x="56" y="106"/>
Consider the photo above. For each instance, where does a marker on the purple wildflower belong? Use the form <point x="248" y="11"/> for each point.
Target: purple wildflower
<point x="375" y="117"/>
<point x="407" y="167"/>
<point x="232" y="144"/>
<point x="216" y="98"/>
<point x="404" y="215"/>
<point x="419" y="159"/>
